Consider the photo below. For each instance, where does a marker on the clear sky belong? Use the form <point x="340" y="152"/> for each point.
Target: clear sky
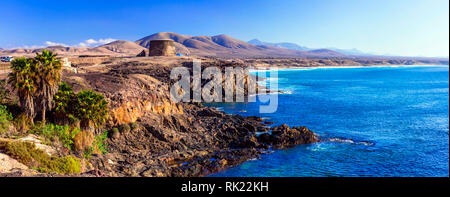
<point x="394" y="27"/>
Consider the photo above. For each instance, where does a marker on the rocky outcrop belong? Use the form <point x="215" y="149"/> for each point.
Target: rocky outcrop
<point x="285" y="137"/>
<point x="197" y="143"/>
<point x="130" y="111"/>
<point x="143" y="53"/>
<point x="38" y="142"/>
<point x="8" y="164"/>
<point x="130" y="94"/>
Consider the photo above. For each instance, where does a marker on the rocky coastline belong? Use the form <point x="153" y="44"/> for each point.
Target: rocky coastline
<point x="170" y="139"/>
<point x="186" y="139"/>
<point x="175" y="139"/>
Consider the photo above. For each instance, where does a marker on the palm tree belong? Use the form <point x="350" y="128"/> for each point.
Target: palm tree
<point x="91" y="108"/>
<point x="49" y="72"/>
<point x="23" y="79"/>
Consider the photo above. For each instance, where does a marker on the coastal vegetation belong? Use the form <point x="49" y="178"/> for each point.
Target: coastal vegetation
<point x="36" y="82"/>
<point x="57" y="134"/>
<point x="91" y="108"/>
<point x="50" y="109"/>
<point x="87" y="106"/>
<point x="4" y="93"/>
<point x="124" y="128"/>
<point x="5" y="118"/>
<point x="37" y="159"/>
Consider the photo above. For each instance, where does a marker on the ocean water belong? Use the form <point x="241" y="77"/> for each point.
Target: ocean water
<point x="377" y="121"/>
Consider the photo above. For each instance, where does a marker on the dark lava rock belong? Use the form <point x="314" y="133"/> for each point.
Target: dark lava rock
<point x="255" y="118"/>
<point x="210" y="112"/>
<point x="284" y="137"/>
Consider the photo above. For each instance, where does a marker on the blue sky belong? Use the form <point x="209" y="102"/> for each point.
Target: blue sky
<point x="395" y="27"/>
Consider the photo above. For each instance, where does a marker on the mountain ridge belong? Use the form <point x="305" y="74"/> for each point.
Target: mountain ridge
<point x="226" y="46"/>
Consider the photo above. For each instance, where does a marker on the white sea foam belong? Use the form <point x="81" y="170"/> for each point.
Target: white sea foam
<point x="349" y="141"/>
<point x="219" y="108"/>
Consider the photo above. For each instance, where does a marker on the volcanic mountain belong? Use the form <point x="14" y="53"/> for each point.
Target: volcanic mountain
<point x="226" y="46"/>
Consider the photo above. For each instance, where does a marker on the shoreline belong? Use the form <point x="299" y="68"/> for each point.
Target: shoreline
<point x="287" y="68"/>
<point x="278" y="91"/>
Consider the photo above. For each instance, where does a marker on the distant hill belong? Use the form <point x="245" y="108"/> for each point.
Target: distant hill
<point x="119" y="46"/>
<point x="351" y="52"/>
<point x="116" y="48"/>
<point x="326" y="52"/>
<point x="227" y="46"/>
<point x="294" y="46"/>
<point x="61" y="50"/>
<point x="286" y="45"/>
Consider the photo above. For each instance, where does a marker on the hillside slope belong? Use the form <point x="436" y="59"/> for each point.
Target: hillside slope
<point x="119" y="46"/>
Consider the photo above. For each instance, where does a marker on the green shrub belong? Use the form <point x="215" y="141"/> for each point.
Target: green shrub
<point x="5" y="118"/>
<point x="4" y="92"/>
<point x="65" y="102"/>
<point x="134" y="126"/>
<point x="63" y="133"/>
<point x="100" y="143"/>
<point x="87" y="153"/>
<point x="114" y="133"/>
<point x="124" y="128"/>
<point x="91" y="107"/>
<point x="64" y="99"/>
<point x="114" y="130"/>
<point x="87" y="106"/>
<point x="66" y="135"/>
<point x="28" y="154"/>
<point x="70" y="164"/>
<point x="23" y="123"/>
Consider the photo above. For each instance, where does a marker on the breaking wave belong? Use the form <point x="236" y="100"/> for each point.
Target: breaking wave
<point x="348" y="141"/>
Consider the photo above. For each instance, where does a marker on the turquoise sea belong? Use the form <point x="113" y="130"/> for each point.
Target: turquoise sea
<point x="374" y="121"/>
